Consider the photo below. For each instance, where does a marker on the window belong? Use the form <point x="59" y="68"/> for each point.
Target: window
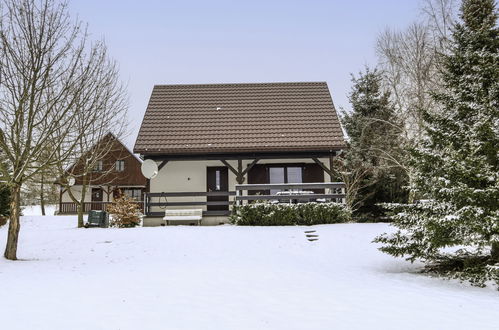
<point x="294" y="174"/>
<point x="135" y="194"/>
<point x="120" y="165"/>
<point x="217" y="180"/>
<point x="284" y="174"/>
<point x="98" y="167"/>
<point x="276" y="175"/>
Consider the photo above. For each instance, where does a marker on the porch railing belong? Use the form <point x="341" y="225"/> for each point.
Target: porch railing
<point x="155" y="203"/>
<point x="164" y="199"/>
<point x="291" y="192"/>
<point x="72" y="208"/>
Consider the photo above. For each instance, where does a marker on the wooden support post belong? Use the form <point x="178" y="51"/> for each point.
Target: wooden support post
<point x="248" y="168"/>
<point x="232" y="169"/>
<point x="240" y="176"/>
<point x="327" y="170"/>
<point x="240" y="173"/>
<point x="331" y="176"/>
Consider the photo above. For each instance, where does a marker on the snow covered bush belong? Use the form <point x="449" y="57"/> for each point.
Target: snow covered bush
<point x="268" y="214"/>
<point x="456" y="169"/>
<point x="125" y="212"/>
<point x="320" y="213"/>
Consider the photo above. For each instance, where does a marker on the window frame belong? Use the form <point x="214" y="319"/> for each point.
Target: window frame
<point x="135" y="198"/>
<point x="119" y="168"/>
<point x="285" y="166"/>
<point x="98" y="166"/>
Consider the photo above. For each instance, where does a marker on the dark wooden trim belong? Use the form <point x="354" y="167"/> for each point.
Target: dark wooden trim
<point x="243" y="155"/>
<point x="240" y="173"/>
<point x="240" y="176"/>
<point x="232" y="169"/>
<point x="286" y="197"/>
<point x="331" y="176"/>
<point x="192" y="194"/>
<point x="321" y="164"/>
<point x="163" y="163"/>
<point x="72" y="208"/>
<point x="248" y="168"/>
<point x="313" y="185"/>
<point x="205" y="213"/>
<point x="190" y="203"/>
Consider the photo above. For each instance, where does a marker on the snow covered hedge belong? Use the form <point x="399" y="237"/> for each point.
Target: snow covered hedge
<point x="267" y="214"/>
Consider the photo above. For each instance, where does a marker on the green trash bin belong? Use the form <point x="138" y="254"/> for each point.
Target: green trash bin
<point x="97" y="218"/>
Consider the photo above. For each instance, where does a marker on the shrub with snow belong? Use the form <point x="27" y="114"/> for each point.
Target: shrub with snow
<point x="267" y="214"/>
<point x="125" y="212"/>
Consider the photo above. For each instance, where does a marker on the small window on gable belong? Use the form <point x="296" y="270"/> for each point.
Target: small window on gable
<point x="120" y="165"/>
<point x="98" y="167"/>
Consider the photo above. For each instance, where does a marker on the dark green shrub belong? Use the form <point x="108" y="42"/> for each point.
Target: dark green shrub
<point x="4" y="200"/>
<point x="4" y="204"/>
<point x="266" y="214"/>
<point x="322" y="213"/>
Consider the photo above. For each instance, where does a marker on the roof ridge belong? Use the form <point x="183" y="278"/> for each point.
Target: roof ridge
<point x="242" y="84"/>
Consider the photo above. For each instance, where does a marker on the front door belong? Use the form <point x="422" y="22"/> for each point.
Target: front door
<point x="96" y="198"/>
<point x="217" y="180"/>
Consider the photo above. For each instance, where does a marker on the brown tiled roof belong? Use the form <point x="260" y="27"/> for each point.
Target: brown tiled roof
<point x="232" y="118"/>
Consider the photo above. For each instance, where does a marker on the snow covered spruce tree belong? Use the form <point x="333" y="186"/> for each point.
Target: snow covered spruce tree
<point x="372" y="166"/>
<point x="456" y="229"/>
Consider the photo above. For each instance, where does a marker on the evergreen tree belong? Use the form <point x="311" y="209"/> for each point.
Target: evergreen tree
<point x="456" y="168"/>
<point x="374" y="145"/>
<point x="4" y="200"/>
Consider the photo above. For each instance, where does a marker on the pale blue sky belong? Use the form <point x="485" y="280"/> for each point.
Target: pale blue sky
<point x="169" y="42"/>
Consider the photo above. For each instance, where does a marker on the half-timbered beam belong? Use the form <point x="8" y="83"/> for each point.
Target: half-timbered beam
<point x="239" y="173"/>
<point x="321" y="164"/>
<point x="163" y="163"/>
<point x="331" y="176"/>
<point x="232" y="169"/>
<point x="250" y="165"/>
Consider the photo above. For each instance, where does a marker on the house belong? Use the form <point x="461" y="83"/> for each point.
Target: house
<point x="206" y="139"/>
<point x="118" y="170"/>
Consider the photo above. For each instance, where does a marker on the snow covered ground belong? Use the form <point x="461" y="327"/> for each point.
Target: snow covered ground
<point x="36" y="210"/>
<point x="224" y="277"/>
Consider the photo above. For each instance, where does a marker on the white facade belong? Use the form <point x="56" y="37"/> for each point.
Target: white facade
<point x="191" y="176"/>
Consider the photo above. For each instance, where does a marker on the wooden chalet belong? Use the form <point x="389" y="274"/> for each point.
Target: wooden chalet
<point x="219" y="144"/>
<point x="119" y="170"/>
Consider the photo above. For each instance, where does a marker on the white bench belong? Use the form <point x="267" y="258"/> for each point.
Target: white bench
<point x="183" y="215"/>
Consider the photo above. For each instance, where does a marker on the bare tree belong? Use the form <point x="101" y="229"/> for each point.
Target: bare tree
<point x="410" y="63"/>
<point x="100" y="120"/>
<point x="46" y="67"/>
<point x="409" y="60"/>
<point x="440" y="16"/>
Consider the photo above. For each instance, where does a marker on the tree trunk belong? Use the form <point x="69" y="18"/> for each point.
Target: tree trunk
<point x="14" y="224"/>
<point x="42" y="197"/>
<point x="494" y="252"/>
<point x="81" y="205"/>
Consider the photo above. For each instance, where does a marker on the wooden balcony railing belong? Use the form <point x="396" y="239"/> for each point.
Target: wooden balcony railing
<point x="291" y="192"/>
<point x="155" y="203"/>
<point x="164" y="199"/>
<point x="72" y="208"/>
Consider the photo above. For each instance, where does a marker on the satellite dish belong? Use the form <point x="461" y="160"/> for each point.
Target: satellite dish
<point x="149" y="168"/>
<point x="71" y="181"/>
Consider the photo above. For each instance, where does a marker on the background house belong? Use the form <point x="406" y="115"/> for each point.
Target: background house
<point x="208" y="138"/>
<point x="118" y="170"/>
